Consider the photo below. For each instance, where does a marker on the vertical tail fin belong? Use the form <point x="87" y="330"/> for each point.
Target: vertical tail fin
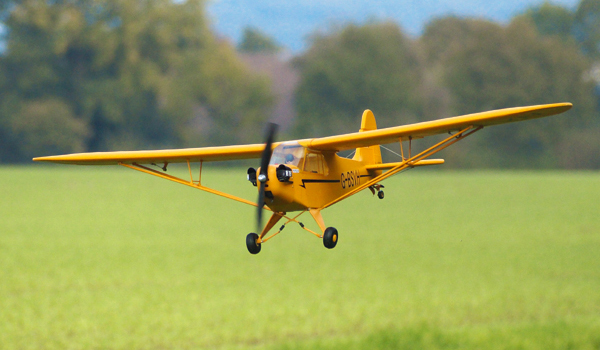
<point x="371" y="154"/>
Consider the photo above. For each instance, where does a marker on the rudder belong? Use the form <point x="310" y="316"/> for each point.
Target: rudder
<point x="370" y="154"/>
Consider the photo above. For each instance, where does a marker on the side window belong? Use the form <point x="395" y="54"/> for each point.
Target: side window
<point x="315" y="163"/>
<point x="311" y="164"/>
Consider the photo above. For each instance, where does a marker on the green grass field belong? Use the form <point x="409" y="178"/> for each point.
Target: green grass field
<point x="107" y="258"/>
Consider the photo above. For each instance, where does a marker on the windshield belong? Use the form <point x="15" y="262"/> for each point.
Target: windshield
<point x="288" y="153"/>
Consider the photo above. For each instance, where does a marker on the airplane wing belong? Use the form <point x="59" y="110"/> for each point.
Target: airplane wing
<point x="434" y="127"/>
<point x="330" y="143"/>
<point x="205" y="154"/>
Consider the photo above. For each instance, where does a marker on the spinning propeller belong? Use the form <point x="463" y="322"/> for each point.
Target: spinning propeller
<point x="263" y="175"/>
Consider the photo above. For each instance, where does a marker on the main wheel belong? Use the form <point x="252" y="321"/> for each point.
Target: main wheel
<point x="330" y="237"/>
<point x="253" y="247"/>
<point x="380" y="194"/>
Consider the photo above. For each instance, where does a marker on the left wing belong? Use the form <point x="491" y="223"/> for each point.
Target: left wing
<point x="205" y="154"/>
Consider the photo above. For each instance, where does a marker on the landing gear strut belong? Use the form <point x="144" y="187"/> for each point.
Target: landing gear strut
<point x="330" y="235"/>
<point x="377" y="187"/>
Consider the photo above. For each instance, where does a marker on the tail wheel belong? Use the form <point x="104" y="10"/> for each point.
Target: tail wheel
<point x="253" y="247"/>
<point x="380" y="194"/>
<point x="330" y="237"/>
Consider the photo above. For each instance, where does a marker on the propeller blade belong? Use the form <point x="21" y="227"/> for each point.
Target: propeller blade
<point x="261" y="201"/>
<point x="266" y="155"/>
<point x="264" y="168"/>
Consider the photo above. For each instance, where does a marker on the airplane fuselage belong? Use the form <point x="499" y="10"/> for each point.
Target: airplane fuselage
<point x="318" y="179"/>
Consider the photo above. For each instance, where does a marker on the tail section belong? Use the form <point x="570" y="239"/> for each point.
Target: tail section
<point x="371" y="154"/>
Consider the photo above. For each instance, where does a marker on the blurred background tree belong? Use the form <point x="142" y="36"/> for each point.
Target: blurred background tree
<point x="458" y="66"/>
<point x="550" y="19"/>
<point x="486" y="66"/>
<point x="253" y="41"/>
<point x="95" y="75"/>
<point x="353" y="68"/>
<point x="587" y="27"/>
<point x="122" y="75"/>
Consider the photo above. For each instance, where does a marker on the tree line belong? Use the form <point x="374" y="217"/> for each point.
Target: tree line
<point x="458" y="66"/>
<point x="99" y="75"/>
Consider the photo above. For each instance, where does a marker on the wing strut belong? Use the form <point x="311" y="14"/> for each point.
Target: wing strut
<point x="196" y="184"/>
<point x="191" y="182"/>
<point x="410" y="161"/>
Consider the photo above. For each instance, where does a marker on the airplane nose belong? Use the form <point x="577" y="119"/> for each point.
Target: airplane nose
<point x="262" y="178"/>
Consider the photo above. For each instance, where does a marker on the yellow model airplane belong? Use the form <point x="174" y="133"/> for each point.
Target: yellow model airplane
<point x="308" y="175"/>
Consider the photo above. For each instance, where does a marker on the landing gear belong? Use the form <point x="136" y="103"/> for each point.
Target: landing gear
<point x="253" y="247"/>
<point x="377" y="188"/>
<point x="330" y="234"/>
<point x="330" y="237"/>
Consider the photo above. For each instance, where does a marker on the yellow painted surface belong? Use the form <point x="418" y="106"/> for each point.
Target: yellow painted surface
<point x="205" y="154"/>
<point x="423" y="162"/>
<point x="309" y="189"/>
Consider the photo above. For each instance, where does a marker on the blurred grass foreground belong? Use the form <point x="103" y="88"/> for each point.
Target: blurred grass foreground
<point x="103" y="258"/>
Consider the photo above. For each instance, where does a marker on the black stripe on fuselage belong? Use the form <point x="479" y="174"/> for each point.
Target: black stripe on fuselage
<point x="305" y="181"/>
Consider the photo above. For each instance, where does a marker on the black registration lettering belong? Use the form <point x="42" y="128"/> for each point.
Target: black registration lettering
<point x="350" y="179"/>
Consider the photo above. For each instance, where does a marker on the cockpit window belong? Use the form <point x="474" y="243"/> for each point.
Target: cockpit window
<point x="288" y="153"/>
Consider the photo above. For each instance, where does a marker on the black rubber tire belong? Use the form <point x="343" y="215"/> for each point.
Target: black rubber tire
<point x="330" y="237"/>
<point x="380" y="194"/>
<point x="253" y="248"/>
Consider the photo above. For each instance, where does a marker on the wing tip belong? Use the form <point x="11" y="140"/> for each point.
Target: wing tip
<point x="567" y="105"/>
<point x="560" y="107"/>
<point x="62" y="159"/>
<point x="42" y="159"/>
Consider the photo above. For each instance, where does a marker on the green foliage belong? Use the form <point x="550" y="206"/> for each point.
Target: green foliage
<point x="93" y="259"/>
<point x="48" y="126"/>
<point x="373" y="66"/>
<point x="254" y="40"/>
<point x="552" y="20"/>
<point x="114" y="74"/>
<point x="458" y="66"/>
<point x="486" y="66"/>
<point x="132" y="74"/>
<point x="587" y="27"/>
